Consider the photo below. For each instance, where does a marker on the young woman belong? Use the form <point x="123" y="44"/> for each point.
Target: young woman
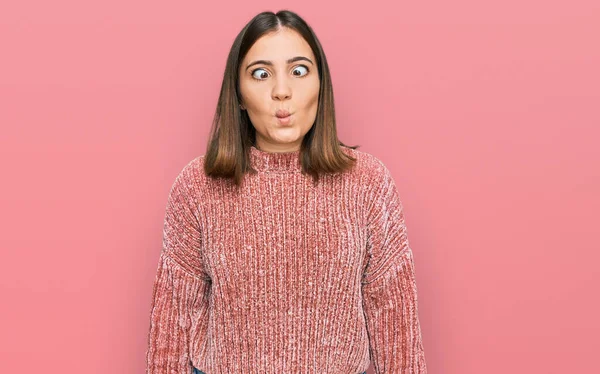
<point x="284" y="250"/>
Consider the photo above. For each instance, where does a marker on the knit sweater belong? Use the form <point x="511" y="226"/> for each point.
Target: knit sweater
<point x="283" y="276"/>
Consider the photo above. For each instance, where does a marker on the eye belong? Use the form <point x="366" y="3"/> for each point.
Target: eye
<point x="301" y="68"/>
<point x="259" y="76"/>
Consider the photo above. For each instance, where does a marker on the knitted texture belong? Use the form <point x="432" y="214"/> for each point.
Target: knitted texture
<point x="283" y="276"/>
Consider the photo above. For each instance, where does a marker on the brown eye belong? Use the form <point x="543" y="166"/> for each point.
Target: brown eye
<point x="301" y="69"/>
<point x="262" y="74"/>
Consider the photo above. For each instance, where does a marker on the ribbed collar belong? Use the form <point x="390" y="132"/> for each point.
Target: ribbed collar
<point x="275" y="161"/>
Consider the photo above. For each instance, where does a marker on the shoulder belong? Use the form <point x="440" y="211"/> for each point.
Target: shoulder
<point x="191" y="174"/>
<point x="370" y="168"/>
<point x="378" y="184"/>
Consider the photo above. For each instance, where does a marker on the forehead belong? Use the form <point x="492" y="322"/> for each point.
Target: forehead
<point x="278" y="46"/>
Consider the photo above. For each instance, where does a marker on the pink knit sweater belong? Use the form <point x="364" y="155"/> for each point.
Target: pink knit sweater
<point x="285" y="277"/>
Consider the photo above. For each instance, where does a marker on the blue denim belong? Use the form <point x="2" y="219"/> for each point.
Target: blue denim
<point x="196" y="371"/>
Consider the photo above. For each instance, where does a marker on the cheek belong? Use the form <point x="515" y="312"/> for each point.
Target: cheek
<point x="253" y="96"/>
<point x="311" y="95"/>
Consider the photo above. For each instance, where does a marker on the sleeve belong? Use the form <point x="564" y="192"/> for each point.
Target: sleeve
<point x="389" y="286"/>
<point x="179" y="311"/>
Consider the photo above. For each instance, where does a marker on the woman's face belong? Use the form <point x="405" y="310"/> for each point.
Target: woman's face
<point x="279" y="73"/>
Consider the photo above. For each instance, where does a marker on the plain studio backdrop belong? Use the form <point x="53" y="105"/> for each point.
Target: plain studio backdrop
<point x="486" y="113"/>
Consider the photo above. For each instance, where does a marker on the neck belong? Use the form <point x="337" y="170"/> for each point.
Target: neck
<point x="275" y="161"/>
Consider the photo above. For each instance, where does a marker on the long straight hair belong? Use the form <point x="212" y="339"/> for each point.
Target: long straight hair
<point x="232" y="134"/>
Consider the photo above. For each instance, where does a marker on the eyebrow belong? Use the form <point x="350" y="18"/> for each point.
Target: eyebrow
<point x="266" y="62"/>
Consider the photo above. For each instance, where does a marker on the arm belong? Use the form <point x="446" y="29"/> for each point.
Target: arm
<point x="181" y="286"/>
<point x="389" y="287"/>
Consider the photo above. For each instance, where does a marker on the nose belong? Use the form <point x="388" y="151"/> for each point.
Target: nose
<point x="282" y="89"/>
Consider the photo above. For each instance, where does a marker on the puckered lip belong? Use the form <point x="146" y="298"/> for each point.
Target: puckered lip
<point x="281" y="113"/>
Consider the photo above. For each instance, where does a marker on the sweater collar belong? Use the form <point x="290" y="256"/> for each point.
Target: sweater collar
<point x="275" y="161"/>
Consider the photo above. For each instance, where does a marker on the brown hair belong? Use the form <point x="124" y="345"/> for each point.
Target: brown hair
<point x="232" y="133"/>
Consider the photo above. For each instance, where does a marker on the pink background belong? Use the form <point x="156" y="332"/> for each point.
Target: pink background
<point x="486" y="113"/>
